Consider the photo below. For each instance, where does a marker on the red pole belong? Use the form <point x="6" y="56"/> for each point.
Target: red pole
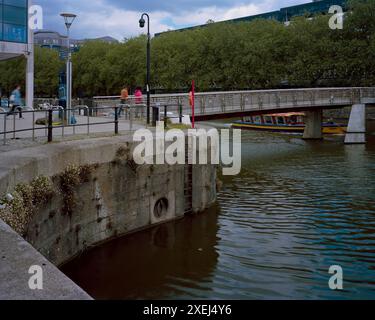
<point x="193" y="103"/>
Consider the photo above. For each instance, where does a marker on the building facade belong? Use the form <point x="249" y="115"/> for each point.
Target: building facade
<point x="16" y="39"/>
<point x="54" y="40"/>
<point x="283" y="15"/>
<point x="13" y="20"/>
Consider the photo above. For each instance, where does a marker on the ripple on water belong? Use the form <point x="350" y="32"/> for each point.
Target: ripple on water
<point x="296" y="208"/>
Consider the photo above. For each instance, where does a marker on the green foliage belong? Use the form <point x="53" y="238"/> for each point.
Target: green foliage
<point x="223" y="56"/>
<point x="26" y="200"/>
<point x="68" y="180"/>
<point x="47" y="68"/>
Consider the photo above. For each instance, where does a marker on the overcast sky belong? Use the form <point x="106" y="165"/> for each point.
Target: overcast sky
<point x="119" y="18"/>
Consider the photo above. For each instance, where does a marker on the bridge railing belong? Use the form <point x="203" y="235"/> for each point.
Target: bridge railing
<point x="237" y="101"/>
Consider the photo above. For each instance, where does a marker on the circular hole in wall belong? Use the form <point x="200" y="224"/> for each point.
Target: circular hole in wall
<point x="161" y="208"/>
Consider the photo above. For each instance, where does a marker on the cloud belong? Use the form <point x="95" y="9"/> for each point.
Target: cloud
<point x="119" y="18"/>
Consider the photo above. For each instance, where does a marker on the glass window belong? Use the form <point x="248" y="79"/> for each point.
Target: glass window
<point x="14" y="33"/>
<point x="268" y="119"/>
<point x="16" y="3"/>
<point x="14" y="15"/>
<point x="13" y="20"/>
<point x="257" y="119"/>
<point x="280" y="120"/>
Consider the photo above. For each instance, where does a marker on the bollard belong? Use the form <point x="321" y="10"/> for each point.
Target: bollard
<point x="50" y="125"/>
<point x="180" y="112"/>
<point x="165" y="116"/>
<point x="155" y="115"/>
<point x="116" y="120"/>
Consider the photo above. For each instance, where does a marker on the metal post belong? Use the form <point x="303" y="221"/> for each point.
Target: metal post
<point x="142" y="24"/>
<point x="33" y="125"/>
<point x="46" y="126"/>
<point x="116" y="121"/>
<point x="130" y="118"/>
<point x="5" y="129"/>
<point x="68" y="102"/>
<point x="148" y="72"/>
<point x="14" y="126"/>
<point x="88" y="120"/>
<point x="62" y="113"/>
<point x="180" y="112"/>
<point x="50" y="125"/>
<point x="155" y="115"/>
<point x="74" y="125"/>
<point x="165" y="116"/>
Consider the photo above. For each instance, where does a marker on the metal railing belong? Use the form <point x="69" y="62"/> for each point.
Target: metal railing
<point x="208" y="103"/>
<point x="55" y="120"/>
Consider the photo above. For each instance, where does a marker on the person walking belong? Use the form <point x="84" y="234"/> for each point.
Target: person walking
<point x="15" y="100"/>
<point x="138" y="99"/>
<point x="123" y="99"/>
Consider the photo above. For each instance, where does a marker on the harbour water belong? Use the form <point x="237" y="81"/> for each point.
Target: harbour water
<point x="297" y="208"/>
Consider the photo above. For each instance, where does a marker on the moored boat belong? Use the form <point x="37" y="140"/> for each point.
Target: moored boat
<point x="285" y="122"/>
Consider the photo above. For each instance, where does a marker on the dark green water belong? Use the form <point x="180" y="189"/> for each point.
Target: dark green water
<point x="296" y="209"/>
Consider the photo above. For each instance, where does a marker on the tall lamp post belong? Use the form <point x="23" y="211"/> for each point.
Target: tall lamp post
<point x="69" y="19"/>
<point x="142" y="24"/>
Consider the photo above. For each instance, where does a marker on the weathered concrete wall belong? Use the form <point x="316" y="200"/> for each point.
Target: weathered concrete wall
<point x="114" y="198"/>
<point x="114" y="201"/>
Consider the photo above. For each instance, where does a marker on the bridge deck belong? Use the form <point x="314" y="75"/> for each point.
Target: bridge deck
<point x="240" y="103"/>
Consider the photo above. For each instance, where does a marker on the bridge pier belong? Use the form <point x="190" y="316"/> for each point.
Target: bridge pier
<point x="356" y="132"/>
<point x="313" y="124"/>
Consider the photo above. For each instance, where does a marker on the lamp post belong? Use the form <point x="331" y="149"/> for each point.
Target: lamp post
<point x="142" y="24"/>
<point x="69" y="19"/>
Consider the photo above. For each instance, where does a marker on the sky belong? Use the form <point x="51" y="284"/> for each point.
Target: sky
<point x="119" y="18"/>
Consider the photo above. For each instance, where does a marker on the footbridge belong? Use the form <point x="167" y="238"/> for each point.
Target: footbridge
<point x="231" y="104"/>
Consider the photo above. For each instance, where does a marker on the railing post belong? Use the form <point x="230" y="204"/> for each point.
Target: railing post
<point x="14" y="126"/>
<point x="33" y="119"/>
<point x="180" y="112"/>
<point x="5" y="128"/>
<point x="50" y="125"/>
<point x="165" y="116"/>
<point x="88" y="119"/>
<point x="62" y="117"/>
<point x="155" y="111"/>
<point x="116" y="120"/>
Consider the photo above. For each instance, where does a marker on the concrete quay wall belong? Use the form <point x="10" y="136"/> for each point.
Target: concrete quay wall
<point x="111" y="196"/>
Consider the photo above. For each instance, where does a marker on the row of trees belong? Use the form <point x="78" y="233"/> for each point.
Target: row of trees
<point x="224" y="56"/>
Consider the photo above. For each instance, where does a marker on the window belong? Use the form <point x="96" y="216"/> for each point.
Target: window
<point x="16" y="3"/>
<point x="280" y="120"/>
<point x="14" y="33"/>
<point x="14" y="15"/>
<point x="257" y="120"/>
<point x="268" y="119"/>
<point x="13" y="20"/>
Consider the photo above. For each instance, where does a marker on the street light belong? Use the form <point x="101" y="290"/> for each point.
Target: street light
<point x="142" y="23"/>
<point x="69" y="19"/>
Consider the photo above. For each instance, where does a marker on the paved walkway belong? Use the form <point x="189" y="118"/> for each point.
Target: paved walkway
<point x="99" y="126"/>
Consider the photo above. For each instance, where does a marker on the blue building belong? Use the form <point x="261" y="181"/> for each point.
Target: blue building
<point x="13" y="20"/>
<point x="16" y="39"/>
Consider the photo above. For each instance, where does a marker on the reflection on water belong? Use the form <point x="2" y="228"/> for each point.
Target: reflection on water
<point x="174" y="259"/>
<point x="296" y="208"/>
